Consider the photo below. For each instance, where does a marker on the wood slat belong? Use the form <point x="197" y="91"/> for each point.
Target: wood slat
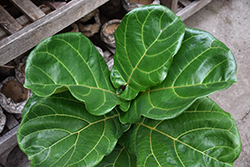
<point x="184" y="2"/>
<point x="24" y="20"/>
<point x="23" y="40"/>
<point x="192" y="8"/>
<point x="4" y="156"/>
<point x="18" y="116"/>
<point x="9" y="24"/>
<point x="29" y="9"/>
<point x="11" y="121"/>
<point x="3" y="34"/>
<point x="144" y="2"/>
<point x="172" y="4"/>
<point x="7" y="141"/>
<point x="56" y="5"/>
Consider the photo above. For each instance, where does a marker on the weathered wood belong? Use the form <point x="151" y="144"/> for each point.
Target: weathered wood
<point x="29" y="9"/>
<point x="3" y="34"/>
<point x="184" y="2"/>
<point x="144" y="2"/>
<point x="167" y="3"/>
<point x="9" y="24"/>
<point x="18" y="116"/>
<point x="24" y="20"/>
<point x="56" y="5"/>
<point x="7" y="141"/>
<point x="4" y="156"/>
<point x="23" y="40"/>
<point x="172" y="4"/>
<point x="11" y="121"/>
<point x="192" y="8"/>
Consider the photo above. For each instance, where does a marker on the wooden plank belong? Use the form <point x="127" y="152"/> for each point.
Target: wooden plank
<point x="166" y="3"/>
<point x="25" y="39"/>
<point x="29" y="9"/>
<point x="7" y="142"/>
<point x="144" y="2"/>
<point x="56" y="5"/>
<point x="9" y="24"/>
<point x="3" y="34"/>
<point x="172" y="4"/>
<point x="11" y="121"/>
<point x="18" y="116"/>
<point x="24" y="20"/>
<point x="185" y="2"/>
<point x="192" y="8"/>
<point x="4" y="156"/>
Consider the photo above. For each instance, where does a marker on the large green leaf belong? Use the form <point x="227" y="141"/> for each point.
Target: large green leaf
<point x="71" y="61"/>
<point x="58" y="131"/>
<point x="202" y="66"/>
<point x="204" y="135"/>
<point x="146" y="40"/>
<point x="120" y="157"/>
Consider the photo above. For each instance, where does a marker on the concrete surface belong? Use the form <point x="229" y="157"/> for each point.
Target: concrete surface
<point x="229" y="21"/>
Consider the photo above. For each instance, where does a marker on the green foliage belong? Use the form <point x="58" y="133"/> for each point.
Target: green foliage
<point x="152" y="109"/>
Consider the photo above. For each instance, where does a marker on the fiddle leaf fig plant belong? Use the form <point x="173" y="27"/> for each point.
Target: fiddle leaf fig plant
<point x="151" y="109"/>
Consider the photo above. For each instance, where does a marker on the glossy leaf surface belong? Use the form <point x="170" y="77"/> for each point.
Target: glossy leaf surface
<point x="58" y="131"/>
<point x="146" y="40"/>
<point x="120" y="157"/>
<point x="204" y="135"/>
<point x="71" y="61"/>
<point x="202" y="66"/>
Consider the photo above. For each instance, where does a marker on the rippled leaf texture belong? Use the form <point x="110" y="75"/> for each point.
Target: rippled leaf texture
<point x="204" y="135"/>
<point x="120" y="157"/>
<point x="202" y="66"/>
<point x="71" y="61"/>
<point x="58" y="131"/>
<point x="146" y="40"/>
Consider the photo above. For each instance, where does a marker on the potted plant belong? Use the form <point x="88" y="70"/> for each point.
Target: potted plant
<point x="151" y="109"/>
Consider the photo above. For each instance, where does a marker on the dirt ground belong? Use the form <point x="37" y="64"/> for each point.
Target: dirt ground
<point x="229" y="21"/>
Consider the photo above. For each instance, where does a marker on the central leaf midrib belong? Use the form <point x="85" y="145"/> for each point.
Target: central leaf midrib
<point x="142" y="27"/>
<point x="146" y="49"/>
<point x="182" y="86"/>
<point x="98" y="88"/>
<point x="70" y="134"/>
<point x="176" y="139"/>
<point x="63" y="66"/>
<point x="93" y="76"/>
<point x="141" y="59"/>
